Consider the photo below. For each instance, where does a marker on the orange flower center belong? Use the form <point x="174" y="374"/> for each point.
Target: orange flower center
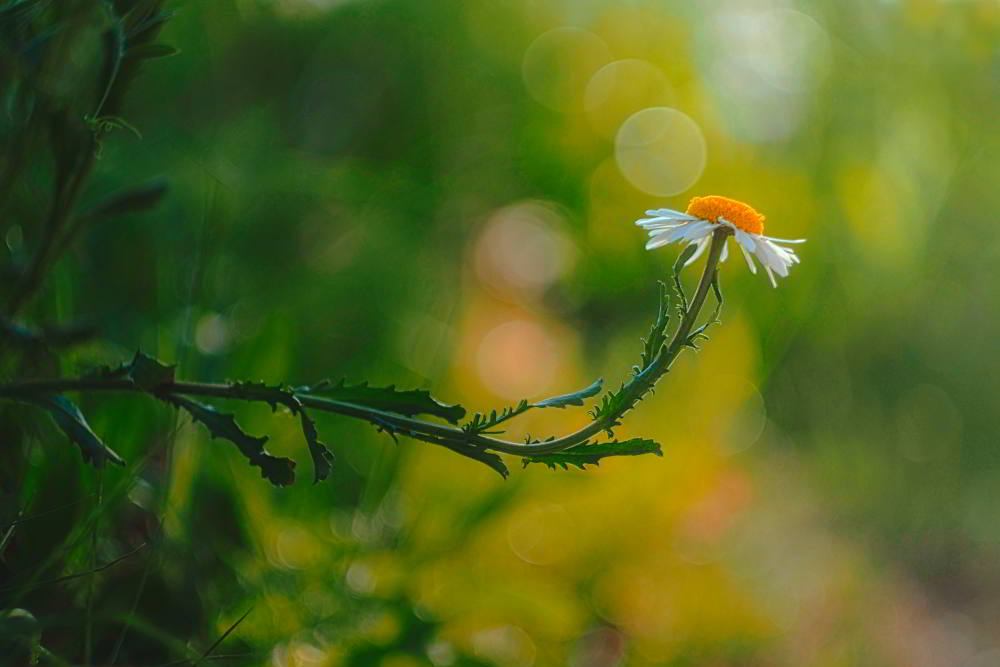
<point x="714" y="207"/>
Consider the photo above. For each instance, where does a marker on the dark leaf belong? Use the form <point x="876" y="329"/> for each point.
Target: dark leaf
<point x="150" y="51"/>
<point x="576" y="398"/>
<point x="72" y="422"/>
<point x="149" y="373"/>
<point x="409" y="403"/>
<point x="137" y="199"/>
<point x="489" y="458"/>
<point x="277" y="470"/>
<point x="583" y="455"/>
<point x="321" y="456"/>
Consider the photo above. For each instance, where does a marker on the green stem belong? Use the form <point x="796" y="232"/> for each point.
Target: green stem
<point x="88" y="629"/>
<point x="419" y="429"/>
<point x="63" y="208"/>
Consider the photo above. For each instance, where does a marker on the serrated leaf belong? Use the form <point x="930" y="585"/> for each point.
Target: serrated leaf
<point x="139" y="198"/>
<point x="584" y="455"/>
<point x="489" y="458"/>
<point x="275" y="469"/>
<point x="657" y="337"/>
<point x="149" y="373"/>
<point x="575" y="398"/>
<point x="322" y="457"/>
<point x="272" y="394"/>
<point x="404" y="402"/>
<point x="71" y="421"/>
<point x="483" y="423"/>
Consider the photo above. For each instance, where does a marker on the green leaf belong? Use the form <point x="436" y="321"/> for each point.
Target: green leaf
<point x="139" y="198"/>
<point x="149" y="373"/>
<point x="151" y="51"/>
<point x="321" y="456"/>
<point x="575" y="398"/>
<point x="489" y="458"/>
<point x="583" y="455"/>
<point x="612" y="405"/>
<point x="72" y="422"/>
<point x="483" y="423"/>
<point x="409" y="403"/>
<point x="277" y="470"/>
<point x="658" y="332"/>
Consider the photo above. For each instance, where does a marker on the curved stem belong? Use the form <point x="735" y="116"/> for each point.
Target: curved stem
<point x="434" y="432"/>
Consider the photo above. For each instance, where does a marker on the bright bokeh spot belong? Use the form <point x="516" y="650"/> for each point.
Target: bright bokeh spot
<point x="661" y="151"/>
<point x="620" y="89"/>
<point x="558" y="65"/>
<point x="523" y="249"/>
<point x="764" y="77"/>
<point x="517" y="358"/>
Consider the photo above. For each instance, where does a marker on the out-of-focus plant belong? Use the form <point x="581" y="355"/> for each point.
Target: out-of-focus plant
<point x="65" y="69"/>
<point x="54" y="94"/>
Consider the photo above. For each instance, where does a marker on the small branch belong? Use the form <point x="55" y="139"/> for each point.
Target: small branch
<point x="208" y="652"/>
<point x="85" y="573"/>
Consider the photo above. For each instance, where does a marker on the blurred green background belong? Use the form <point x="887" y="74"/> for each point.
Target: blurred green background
<point x="441" y="194"/>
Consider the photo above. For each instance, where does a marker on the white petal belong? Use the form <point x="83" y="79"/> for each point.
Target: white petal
<point x="657" y="242"/>
<point x="774" y="283"/>
<point x="702" y="244"/>
<point x="725" y="252"/>
<point x="661" y="230"/>
<point x="669" y="213"/>
<point x="746" y="254"/>
<point x="771" y="238"/>
<point x="696" y="230"/>
<point x="680" y="233"/>
<point x="771" y="258"/>
<point x="745" y="240"/>
<point x="655" y="223"/>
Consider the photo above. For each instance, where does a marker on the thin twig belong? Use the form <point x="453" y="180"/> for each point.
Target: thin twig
<point x="77" y="575"/>
<point x="88" y="628"/>
<point x="229" y="631"/>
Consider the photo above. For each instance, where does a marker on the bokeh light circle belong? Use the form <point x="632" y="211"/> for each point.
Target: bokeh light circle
<point x="660" y="151"/>
<point x="558" y="65"/>
<point x="621" y="88"/>
<point x="523" y="249"/>
<point x="517" y="358"/>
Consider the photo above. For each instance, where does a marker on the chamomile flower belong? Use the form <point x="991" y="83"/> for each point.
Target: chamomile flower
<point x="703" y="217"/>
